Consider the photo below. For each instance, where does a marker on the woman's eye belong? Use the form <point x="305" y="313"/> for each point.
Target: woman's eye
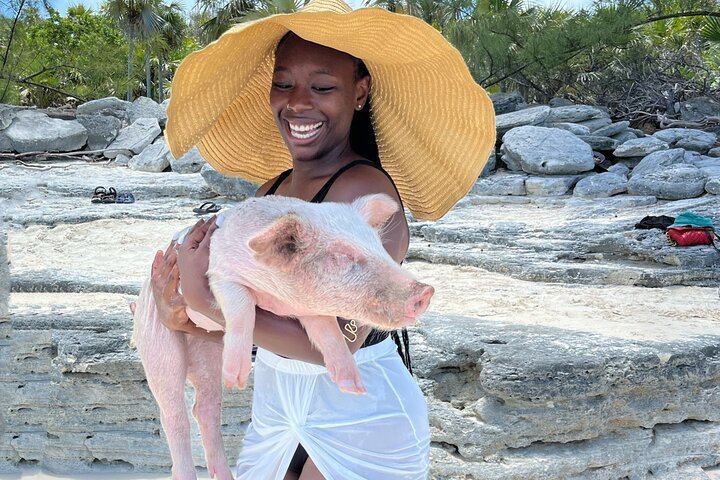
<point x="281" y="85"/>
<point x="323" y="89"/>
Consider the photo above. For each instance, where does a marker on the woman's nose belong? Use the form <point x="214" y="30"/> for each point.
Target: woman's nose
<point x="299" y="101"/>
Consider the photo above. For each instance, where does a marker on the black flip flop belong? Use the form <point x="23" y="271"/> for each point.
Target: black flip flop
<point x="125" y="197"/>
<point x="110" y="196"/>
<point x="98" y="194"/>
<point x="207" y="207"/>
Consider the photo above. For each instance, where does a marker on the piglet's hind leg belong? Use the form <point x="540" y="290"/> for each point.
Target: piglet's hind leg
<point x="325" y="335"/>
<point x="204" y="374"/>
<point x="238" y="308"/>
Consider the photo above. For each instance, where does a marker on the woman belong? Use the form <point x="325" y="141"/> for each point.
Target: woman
<point x="319" y="114"/>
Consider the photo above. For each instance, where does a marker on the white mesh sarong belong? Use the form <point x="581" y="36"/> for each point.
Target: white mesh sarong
<point x="379" y="436"/>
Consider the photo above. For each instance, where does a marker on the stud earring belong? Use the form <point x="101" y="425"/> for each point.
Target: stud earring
<point x="359" y="107"/>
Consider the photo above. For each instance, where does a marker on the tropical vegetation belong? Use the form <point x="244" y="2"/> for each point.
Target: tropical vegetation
<point x="639" y="57"/>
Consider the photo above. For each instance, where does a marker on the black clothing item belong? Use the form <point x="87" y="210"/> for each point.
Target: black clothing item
<point x="375" y="336"/>
<point x="662" y="222"/>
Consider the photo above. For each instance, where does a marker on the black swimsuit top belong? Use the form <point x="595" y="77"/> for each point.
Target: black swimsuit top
<point x="375" y="336"/>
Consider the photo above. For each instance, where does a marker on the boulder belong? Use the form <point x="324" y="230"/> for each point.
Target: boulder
<point x="153" y="158"/>
<point x="687" y="138"/>
<point x="658" y="160"/>
<point x="624" y="136"/>
<point x="709" y="165"/>
<point x="191" y="162"/>
<point x="111" y="106"/>
<point x="102" y="129"/>
<point x="560" y="102"/>
<point x="640" y="147"/>
<point x="144" y="107"/>
<point x="506" y="102"/>
<point x="620" y="169"/>
<point x="232" y="187"/>
<point x="612" y="129"/>
<point x="596" y="123"/>
<point x="528" y="116"/>
<point x="501" y="183"/>
<point x="134" y="138"/>
<point x="714" y="152"/>
<point x="550" y="185"/>
<point x="597" y="142"/>
<point x="122" y="159"/>
<point x="576" y="113"/>
<point x="713" y="186"/>
<point x="490" y="166"/>
<point x="570" y="127"/>
<point x="6" y="144"/>
<point x="699" y="108"/>
<point x="602" y="185"/>
<point x="548" y="151"/>
<point x="33" y="131"/>
<point x="7" y="115"/>
<point x="675" y="182"/>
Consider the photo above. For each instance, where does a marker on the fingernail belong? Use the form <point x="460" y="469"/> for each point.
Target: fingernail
<point x="181" y="237"/>
<point x="220" y="219"/>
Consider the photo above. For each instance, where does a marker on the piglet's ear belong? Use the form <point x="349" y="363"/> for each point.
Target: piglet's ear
<point x="376" y="209"/>
<point x="280" y="244"/>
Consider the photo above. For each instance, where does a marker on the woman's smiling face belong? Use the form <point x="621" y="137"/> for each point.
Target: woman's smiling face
<point x="313" y="98"/>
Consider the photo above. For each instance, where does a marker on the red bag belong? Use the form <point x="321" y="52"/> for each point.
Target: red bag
<point x="689" y="236"/>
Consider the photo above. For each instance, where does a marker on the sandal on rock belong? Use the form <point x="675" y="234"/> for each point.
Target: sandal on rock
<point x="125" y="197"/>
<point x="207" y="207"/>
<point x="109" y="196"/>
<point x="98" y="194"/>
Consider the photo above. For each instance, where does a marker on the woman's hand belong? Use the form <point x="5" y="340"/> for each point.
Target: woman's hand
<point x="192" y="261"/>
<point x="165" y="280"/>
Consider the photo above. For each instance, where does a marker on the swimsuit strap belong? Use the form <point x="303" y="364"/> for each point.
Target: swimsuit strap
<point x="320" y="195"/>
<point x="277" y="183"/>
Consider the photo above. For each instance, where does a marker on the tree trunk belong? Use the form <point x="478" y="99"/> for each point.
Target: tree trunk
<point x="130" y="66"/>
<point x="161" y="78"/>
<point x="148" y="82"/>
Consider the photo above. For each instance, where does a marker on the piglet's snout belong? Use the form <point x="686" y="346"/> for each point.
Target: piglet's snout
<point x="418" y="302"/>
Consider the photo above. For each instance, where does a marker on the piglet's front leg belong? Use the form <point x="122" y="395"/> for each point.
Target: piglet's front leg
<point x="326" y="336"/>
<point x="238" y="308"/>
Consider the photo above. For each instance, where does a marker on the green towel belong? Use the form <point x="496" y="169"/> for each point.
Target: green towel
<point x="690" y="219"/>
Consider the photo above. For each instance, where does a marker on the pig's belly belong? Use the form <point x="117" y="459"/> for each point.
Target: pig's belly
<point x="270" y="303"/>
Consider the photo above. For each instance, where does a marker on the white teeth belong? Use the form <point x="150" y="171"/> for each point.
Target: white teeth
<point x="299" y="131"/>
<point x="304" y="128"/>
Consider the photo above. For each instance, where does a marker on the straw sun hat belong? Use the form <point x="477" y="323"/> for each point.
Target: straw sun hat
<point x="434" y="125"/>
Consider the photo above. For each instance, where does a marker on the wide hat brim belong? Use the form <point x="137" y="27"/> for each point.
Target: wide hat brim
<point x="435" y="126"/>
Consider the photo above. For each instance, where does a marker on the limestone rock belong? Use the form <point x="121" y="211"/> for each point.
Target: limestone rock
<point x="624" y="137"/>
<point x="658" y="160"/>
<point x="7" y="115"/>
<point x="596" y="123"/>
<point x="714" y="152"/>
<point x="620" y="169"/>
<point x="550" y="185"/>
<point x="122" y="159"/>
<point x="697" y="109"/>
<point x="33" y="131"/>
<point x="560" y="102"/>
<point x="232" y="187"/>
<point x="506" y="102"/>
<point x="548" y="151"/>
<point x="570" y="127"/>
<point x="528" y="116"/>
<point x="576" y="113"/>
<point x="604" y="184"/>
<point x="501" y="183"/>
<point x="144" y="107"/>
<point x="687" y="138"/>
<point x="153" y="158"/>
<point x="710" y="166"/>
<point x="640" y="147"/>
<point x="134" y="138"/>
<point x="6" y="144"/>
<point x="191" y="162"/>
<point x="4" y="278"/>
<point x="713" y="186"/>
<point x="490" y="166"/>
<point x="671" y="183"/>
<point x="101" y="130"/>
<point x="612" y="129"/>
<point x="111" y="106"/>
<point x="597" y="142"/>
